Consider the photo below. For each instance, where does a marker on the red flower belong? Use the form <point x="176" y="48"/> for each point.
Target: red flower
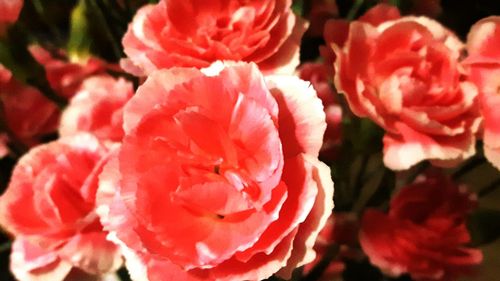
<point x="424" y="233"/>
<point x="28" y="114"/>
<point x="405" y="76"/>
<point x="484" y="62"/>
<point x="50" y="203"/>
<point x="9" y="12"/>
<point x="66" y="77"/>
<point x="229" y="159"/>
<point x="97" y="108"/>
<point x="265" y="32"/>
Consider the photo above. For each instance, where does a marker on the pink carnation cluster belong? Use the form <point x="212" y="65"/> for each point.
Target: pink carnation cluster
<point x="208" y="145"/>
<point x="210" y="170"/>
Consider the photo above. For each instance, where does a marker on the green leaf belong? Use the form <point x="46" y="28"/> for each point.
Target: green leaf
<point x="79" y="42"/>
<point x="364" y="134"/>
<point x="298" y="7"/>
<point x="484" y="226"/>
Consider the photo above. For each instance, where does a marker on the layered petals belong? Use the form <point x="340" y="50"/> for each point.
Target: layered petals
<point x="55" y="185"/>
<point x="410" y="239"/>
<point x="241" y="177"/>
<point x="318" y="75"/>
<point x="484" y="63"/>
<point x="97" y="108"/>
<point x="405" y="75"/>
<point x="265" y="32"/>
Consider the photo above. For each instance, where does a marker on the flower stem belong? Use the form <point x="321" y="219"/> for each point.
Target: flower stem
<point x="354" y="9"/>
<point x="489" y="189"/>
<point x="5" y="246"/>
<point x="468" y="167"/>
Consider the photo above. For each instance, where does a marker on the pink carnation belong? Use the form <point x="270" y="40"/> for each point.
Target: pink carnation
<point x="217" y="177"/>
<point x="484" y="61"/>
<point x="49" y="203"/>
<point x="97" y="108"/>
<point x="405" y="75"/>
<point x="29" y="262"/>
<point x="336" y="30"/>
<point x="195" y="33"/>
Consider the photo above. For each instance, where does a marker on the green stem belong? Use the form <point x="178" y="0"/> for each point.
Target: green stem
<point x="489" y="189"/>
<point x="368" y="192"/>
<point x="396" y="3"/>
<point x="354" y="10"/>
<point x="468" y="167"/>
<point x="37" y="4"/>
<point x="112" y="38"/>
<point x="5" y="246"/>
<point x="35" y="73"/>
<point x="359" y="182"/>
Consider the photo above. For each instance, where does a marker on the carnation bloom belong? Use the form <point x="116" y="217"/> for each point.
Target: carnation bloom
<point x="484" y="62"/>
<point x="196" y="33"/>
<point x="49" y="205"/>
<point x="9" y="12"/>
<point x="217" y="177"/>
<point x="29" y="262"/>
<point x="65" y="77"/>
<point x="317" y="74"/>
<point x="424" y="233"/>
<point x="28" y="114"/>
<point x="336" y="30"/>
<point x="97" y="108"/>
<point x="405" y="75"/>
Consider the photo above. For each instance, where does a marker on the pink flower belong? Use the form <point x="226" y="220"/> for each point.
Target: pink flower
<point x="9" y="12"/>
<point x="406" y="77"/>
<point x="217" y="177"/>
<point x="28" y="114"/>
<point x="336" y="30"/>
<point x="195" y="33"/>
<point x="425" y="232"/>
<point x="31" y="263"/>
<point x="65" y="77"/>
<point x="484" y="62"/>
<point x="97" y="108"/>
<point x="50" y="203"/>
<point x="317" y="74"/>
